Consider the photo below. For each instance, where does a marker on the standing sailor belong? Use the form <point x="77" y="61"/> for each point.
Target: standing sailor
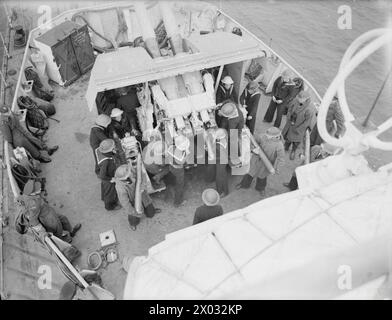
<point x="216" y="170"/>
<point x="125" y="185"/>
<point x="225" y="91"/>
<point x="281" y="95"/>
<point x="175" y="157"/>
<point x="334" y="121"/>
<point x="251" y="99"/>
<point x="300" y="117"/>
<point x="272" y="146"/>
<point x="107" y="168"/>
<point x="129" y="102"/>
<point x="119" y="124"/>
<point x="99" y="133"/>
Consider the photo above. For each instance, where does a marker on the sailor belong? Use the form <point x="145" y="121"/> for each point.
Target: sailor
<point x="230" y="117"/>
<point x="217" y="170"/>
<point x="272" y="146"/>
<point x="317" y="152"/>
<point x="107" y="163"/>
<point x="34" y="210"/>
<point x="128" y="102"/>
<point x="153" y="160"/>
<point x="250" y="99"/>
<point x="335" y="123"/>
<point x="119" y="124"/>
<point x="125" y="183"/>
<point x="175" y="157"/>
<point x="98" y="133"/>
<point x="281" y="95"/>
<point x="17" y="136"/>
<point x="300" y="116"/>
<point x="211" y="207"/>
<point x="225" y="91"/>
<point x="71" y="291"/>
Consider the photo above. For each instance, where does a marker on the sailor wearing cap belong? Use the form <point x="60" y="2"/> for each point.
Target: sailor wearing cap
<point x="119" y="124"/>
<point x="107" y="164"/>
<point x="225" y="91"/>
<point x="272" y="146"/>
<point x="99" y="133"/>
<point x="211" y="207"/>
<point x="250" y="99"/>
<point x="281" y="95"/>
<point x="125" y="185"/>
<point x="216" y="170"/>
<point x="175" y="157"/>
<point x="300" y="116"/>
<point x="317" y="152"/>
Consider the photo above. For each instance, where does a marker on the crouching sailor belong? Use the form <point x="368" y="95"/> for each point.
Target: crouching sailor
<point x="272" y="145"/>
<point x="107" y="166"/>
<point x="125" y="185"/>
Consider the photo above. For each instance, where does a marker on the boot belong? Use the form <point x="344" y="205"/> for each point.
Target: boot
<point x="44" y="159"/>
<point x="52" y="150"/>
<point x="75" y="229"/>
<point x="133" y="221"/>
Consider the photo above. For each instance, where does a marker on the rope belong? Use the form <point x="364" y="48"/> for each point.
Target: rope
<point x="378" y="96"/>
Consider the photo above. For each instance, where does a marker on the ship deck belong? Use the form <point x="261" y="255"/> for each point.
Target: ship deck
<point x="74" y="189"/>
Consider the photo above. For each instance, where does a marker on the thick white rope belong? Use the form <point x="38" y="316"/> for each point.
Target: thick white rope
<point x="347" y="66"/>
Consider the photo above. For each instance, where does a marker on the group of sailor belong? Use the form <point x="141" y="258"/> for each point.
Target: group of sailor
<point x="167" y="162"/>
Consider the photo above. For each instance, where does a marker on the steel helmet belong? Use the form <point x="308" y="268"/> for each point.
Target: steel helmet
<point x="181" y="142"/>
<point x="106" y="146"/>
<point x="210" y="197"/>
<point x="220" y="133"/>
<point x="229" y="110"/>
<point x="103" y="120"/>
<point x="273" y="132"/>
<point x="116" y="112"/>
<point x="122" y="172"/>
<point x="3" y="108"/>
<point x="227" y="80"/>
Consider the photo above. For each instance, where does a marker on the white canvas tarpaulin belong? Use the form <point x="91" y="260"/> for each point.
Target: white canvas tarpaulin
<point x="215" y="258"/>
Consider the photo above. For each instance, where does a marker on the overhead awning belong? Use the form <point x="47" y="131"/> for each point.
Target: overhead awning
<point x="128" y="66"/>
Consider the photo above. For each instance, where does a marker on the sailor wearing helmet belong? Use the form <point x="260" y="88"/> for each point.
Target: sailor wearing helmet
<point x="272" y="146"/>
<point x="125" y="185"/>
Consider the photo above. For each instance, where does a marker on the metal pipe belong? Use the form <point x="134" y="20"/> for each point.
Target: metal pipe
<point x="138" y="191"/>
<point x="218" y="79"/>
<point x="307" y="147"/>
<point x="261" y="154"/>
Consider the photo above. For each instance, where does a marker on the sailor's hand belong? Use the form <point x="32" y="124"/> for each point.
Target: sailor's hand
<point x="273" y="172"/>
<point x="279" y="101"/>
<point x="256" y="150"/>
<point x="219" y="105"/>
<point x="249" y="117"/>
<point x="115" y="136"/>
<point x="135" y="132"/>
<point x="273" y="99"/>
